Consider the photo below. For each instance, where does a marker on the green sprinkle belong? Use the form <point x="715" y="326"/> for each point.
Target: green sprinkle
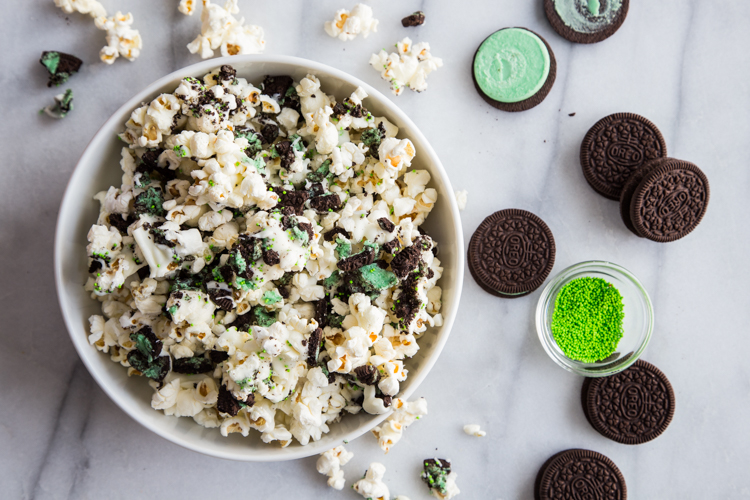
<point x="588" y="318"/>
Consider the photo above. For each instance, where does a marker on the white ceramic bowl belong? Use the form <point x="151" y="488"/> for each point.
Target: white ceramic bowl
<point x="99" y="168"/>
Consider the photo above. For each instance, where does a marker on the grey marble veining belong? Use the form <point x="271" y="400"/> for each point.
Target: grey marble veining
<point x="683" y="64"/>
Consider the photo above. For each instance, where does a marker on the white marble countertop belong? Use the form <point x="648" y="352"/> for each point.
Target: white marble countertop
<point x="685" y="65"/>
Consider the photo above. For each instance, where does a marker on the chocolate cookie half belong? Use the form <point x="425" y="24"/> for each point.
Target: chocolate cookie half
<point x="670" y="201"/>
<point x="615" y="147"/>
<point x="511" y="253"/>
<point x="630" y="407"/>
<point x="628" y="189"/>
<point x="586" y="21"/>
<point x="514" y="69"/>
<point x="576" y="474"/>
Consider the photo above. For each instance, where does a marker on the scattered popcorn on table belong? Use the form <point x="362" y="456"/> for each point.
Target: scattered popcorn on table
<point x="347" y="25"/>
<point x="220" y="29"/>
<point x="122" y="40"/>
<point x="261" y="261"/>
<point x="330" y="464"/>
<point x="462" y="197"/>
<point x="407" y="67"/>
<point x="474" y="430"/>
<point x="372" y="486"/>
<point x="62" y="106"/>
<point x="187" y="7"/>
<point x="405" y="414"/>
<point x="439" y="478"/>
<point x="90" y="7"/>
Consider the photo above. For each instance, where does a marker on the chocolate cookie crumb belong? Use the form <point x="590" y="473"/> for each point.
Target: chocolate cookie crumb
<point x="386" y="224"/>
<point x="406" y="261"/>
<point x="416" y="19"/>
<point x="226" y="402"/>
<point x="218" y="356"/>
<point x="327" y="203"/>
<point x="192" y="366"/>
<point x="367" y="374"/>
<point x="313" y="347"/>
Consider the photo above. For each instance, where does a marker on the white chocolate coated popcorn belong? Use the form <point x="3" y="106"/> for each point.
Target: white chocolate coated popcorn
<point x="122" y="39"/>
<point x="372" y="485"/>
<point x="391" y="431"/>
<point x="462" y="197"/>
<point x="407" y="67"/>
<point x="330" y="463"/>
<point x="347" y="25"/>
<point x="221" y="30"/>
<point x="474" y="430"/>
<point x="90" y="7"/>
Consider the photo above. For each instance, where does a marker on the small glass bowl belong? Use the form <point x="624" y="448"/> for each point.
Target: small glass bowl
<point x="638" y="322"/>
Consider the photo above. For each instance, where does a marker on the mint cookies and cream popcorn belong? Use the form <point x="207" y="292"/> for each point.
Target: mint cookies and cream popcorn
<point x="347" y="25"/>
<point x="261" y="261"/>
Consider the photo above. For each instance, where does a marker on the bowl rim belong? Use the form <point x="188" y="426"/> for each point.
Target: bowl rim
<point x="80" y="342"/>
<point x="542" y="328"/>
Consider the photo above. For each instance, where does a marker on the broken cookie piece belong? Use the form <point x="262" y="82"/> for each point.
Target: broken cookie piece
<point x="416" y="19"/>
<point x="60" y="66"/>
<point x="439" y="478"/>
<point x="62" y="106"/>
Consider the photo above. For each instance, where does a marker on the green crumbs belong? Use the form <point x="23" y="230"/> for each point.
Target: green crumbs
<point x="271" y="297"/>
<point x="587" y="320"/>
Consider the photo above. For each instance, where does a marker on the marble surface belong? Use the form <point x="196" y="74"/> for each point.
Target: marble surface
<point x="683" y="64"/>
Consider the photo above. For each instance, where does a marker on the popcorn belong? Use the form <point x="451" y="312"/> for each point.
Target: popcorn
<point x="406" y="414"/>
<point x="90" y="7"/>
<point x="187" y="7"/>
<point x="462" y="197"/>
<point x="407" y="67"/>
<point x="474" y="430"/>
<point x="330" y="463"/>
<point x="283" y="247"/>
<point x="347" y="25"/>
<point x="372" y="486"/>
<point x="122" y="40"/>
<point x="220" y="29"/>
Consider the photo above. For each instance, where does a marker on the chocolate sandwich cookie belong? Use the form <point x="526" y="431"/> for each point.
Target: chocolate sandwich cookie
<point x="586" y="21"/>
<point x="576" y="474"/>
<point x="511" y="253"/>
<point x="630" y="407"/>
<point x="514" y="69"/>
<point x="629" y="188"/>
<point x="670" y="201"/>
<point x="615" y="147"/>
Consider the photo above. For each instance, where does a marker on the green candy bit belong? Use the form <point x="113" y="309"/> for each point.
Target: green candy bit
<point x="271" y="297"/>
<point x="587" y="322"/>
<point x="150" y="202"/>
<point x="377" y="278"/>
<point x="51" y="60"/>
<point x="262" y="318"/>
<point x="343" y="248"/>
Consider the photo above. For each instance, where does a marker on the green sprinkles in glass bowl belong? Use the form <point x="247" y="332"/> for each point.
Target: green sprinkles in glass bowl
<point x="587" y="322"/>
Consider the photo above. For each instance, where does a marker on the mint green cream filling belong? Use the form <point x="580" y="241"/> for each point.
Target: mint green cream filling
<point x="587" y="16"/>
<point x="511" y="65"/>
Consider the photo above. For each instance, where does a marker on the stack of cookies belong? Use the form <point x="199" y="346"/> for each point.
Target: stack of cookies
<point x="624" y="158"/>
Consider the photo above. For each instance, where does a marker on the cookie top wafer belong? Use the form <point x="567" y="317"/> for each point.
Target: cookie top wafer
<point x="630" y="407"/>
<point x="628" y="189"/>
<point x="576" y="474"/>
<point x="514" y="69"/>
<point x="615" y="147"/>
<point x="586" y="21"/>
<point x="511" y="253"/>
<point x="670" y="201"/>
